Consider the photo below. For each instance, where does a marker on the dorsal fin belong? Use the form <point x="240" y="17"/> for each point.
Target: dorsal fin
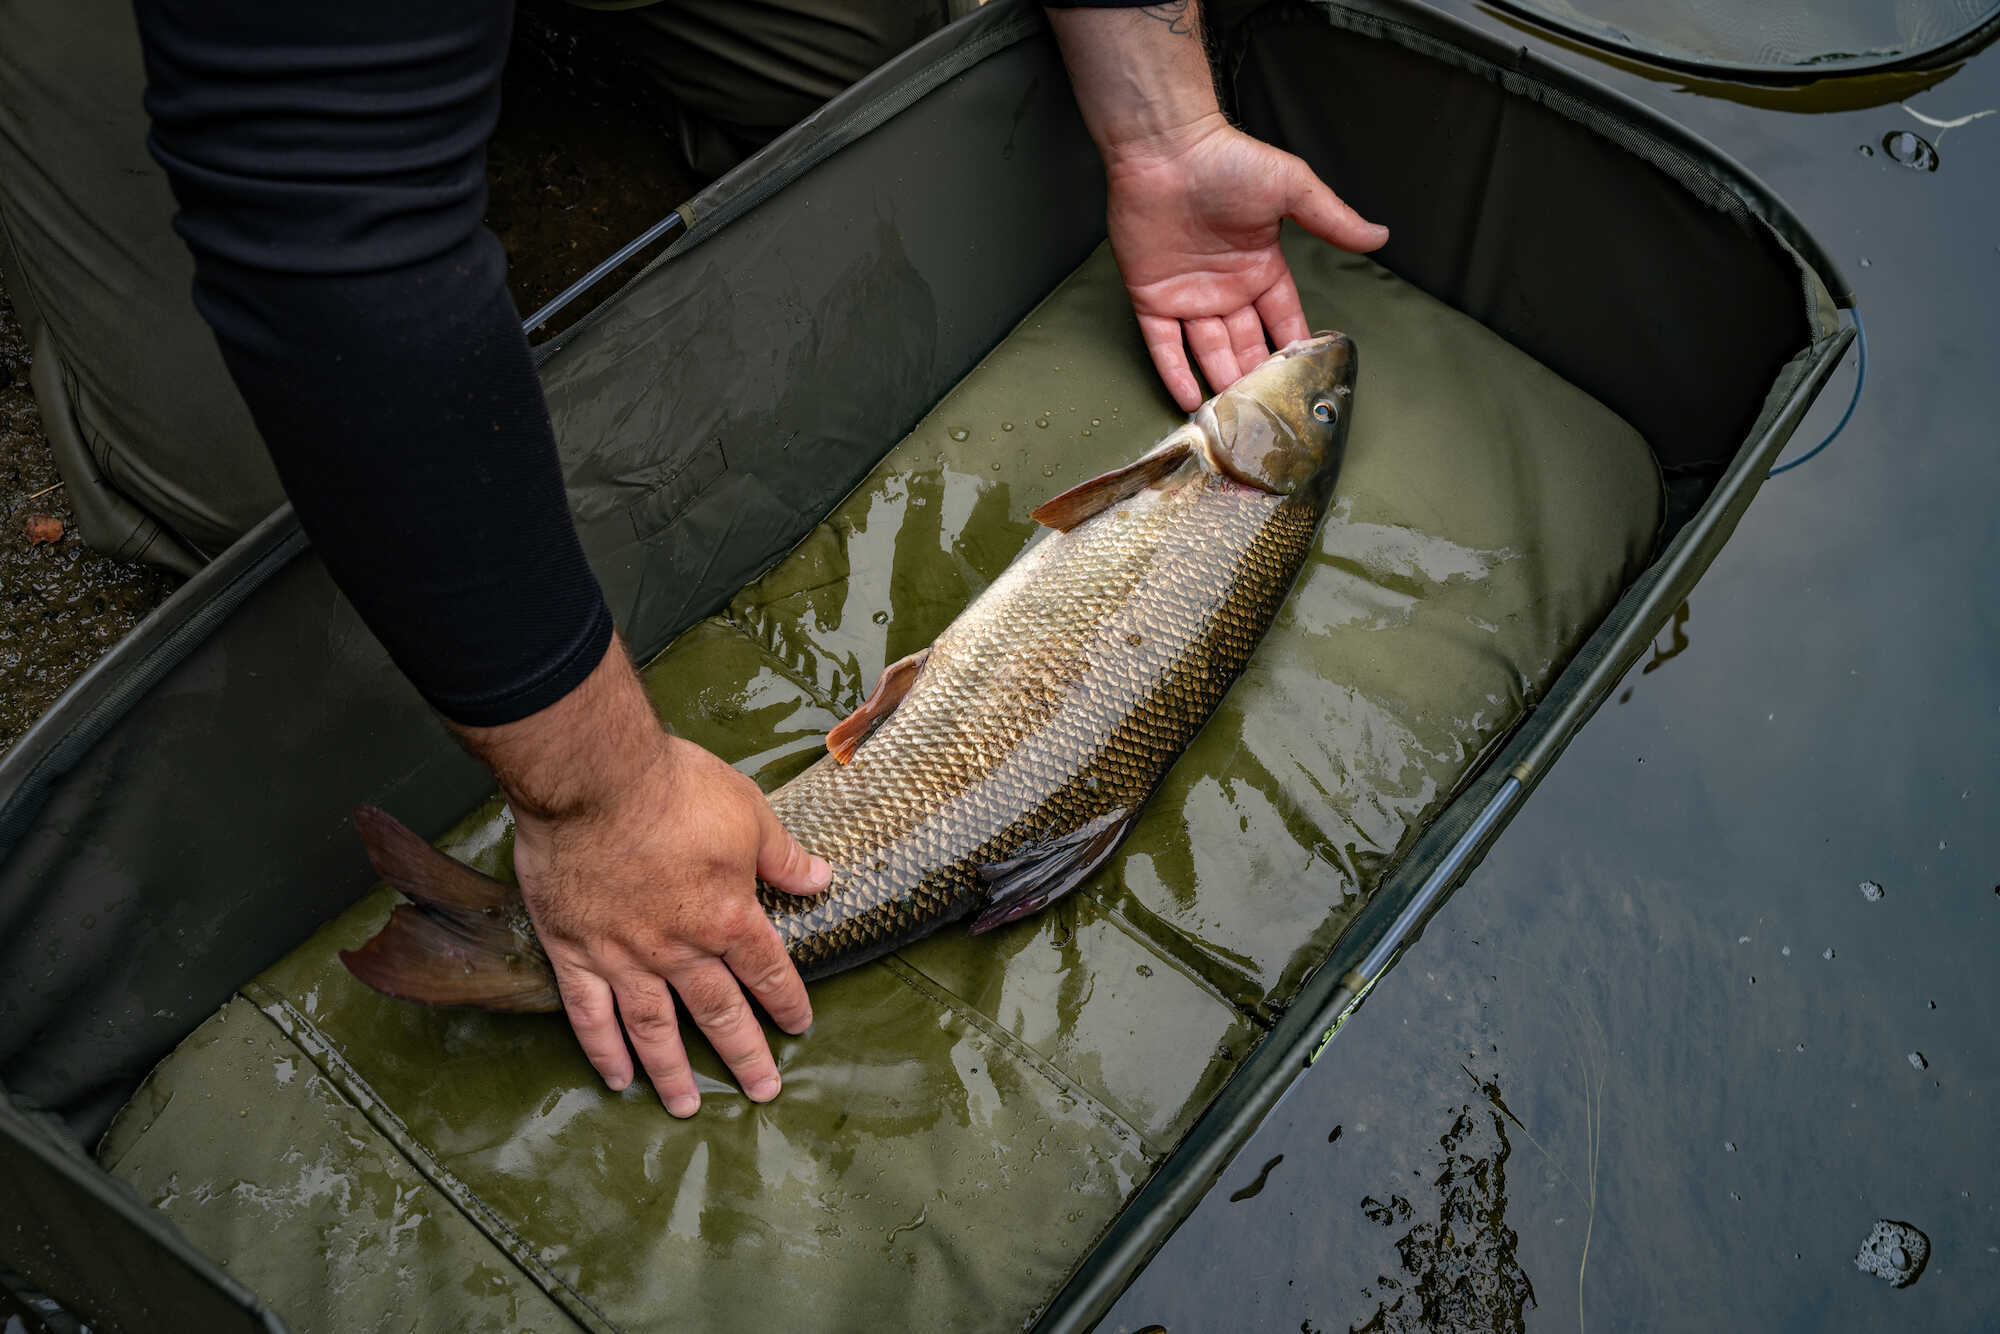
<point x="1100" y="493"/>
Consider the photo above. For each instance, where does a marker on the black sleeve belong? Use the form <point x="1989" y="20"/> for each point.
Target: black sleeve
<point x="329" y="163"/>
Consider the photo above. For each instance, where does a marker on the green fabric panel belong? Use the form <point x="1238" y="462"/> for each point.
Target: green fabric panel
<point x="240" y="1133"/>
<point x="968" y="1115"/>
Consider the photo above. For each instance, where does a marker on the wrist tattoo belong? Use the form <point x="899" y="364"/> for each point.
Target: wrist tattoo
<point x="1179" y="16"/>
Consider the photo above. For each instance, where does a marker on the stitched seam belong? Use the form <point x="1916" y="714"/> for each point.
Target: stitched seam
<point x="319" y="1049"/>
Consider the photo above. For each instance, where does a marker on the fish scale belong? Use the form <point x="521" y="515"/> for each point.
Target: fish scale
<point x="1142" y="618"/>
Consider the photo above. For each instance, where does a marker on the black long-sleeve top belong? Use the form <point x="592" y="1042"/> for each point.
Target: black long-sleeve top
<point x="329" y="164"/>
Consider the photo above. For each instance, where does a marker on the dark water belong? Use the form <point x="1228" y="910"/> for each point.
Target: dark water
<point x="1663" y="1064"/>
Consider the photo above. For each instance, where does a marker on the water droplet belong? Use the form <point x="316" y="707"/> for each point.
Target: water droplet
<point x="1048" y="472"/>
<point x="996" y="465"/>
<point x="1785" y="950"/>
<point x="880" y="618"/>
<point x="1729" y="1146"/>
<point x="1910" y="150"/>
<point x="1871" y="891"/>
<point x="1864" y="263"/>
<point x="1006" y="426"/>
<point x="1086" y="430"/>
<point x="1867" y="150"/>
<point x="1096" y="421"/>
<point x="1828" y="956"/>
<point x="1917" y="1061"/>
<point x="960" y="433"/>
<point x="1800" y="1047"/>
<point x="1042" y="422"/>
<point x="1145" y="970"/>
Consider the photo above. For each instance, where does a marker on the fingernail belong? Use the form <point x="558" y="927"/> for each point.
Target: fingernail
<point x="818" y="872"/>
<point x="619" y="1083"/>
<point x="764" y="1089"/>
<point x="686" y="1105"/>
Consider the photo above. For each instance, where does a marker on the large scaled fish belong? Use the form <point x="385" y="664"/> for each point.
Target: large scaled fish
<point x="992" y="772"/>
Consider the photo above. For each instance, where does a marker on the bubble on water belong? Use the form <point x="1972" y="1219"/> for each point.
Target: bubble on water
<point x="960" y="433"/>
<point x="1894" y="1252"/>
<point x="1910" y="150"/>
<point x="1785" y="950"/>
<point x="1048" y="472"/>
<point x="1867" y="150"/>
<point x="1871" y="891"/>
<point x="1042" y="422"/>
<point x="1799" y="1047"/>
<point x="996" y="465"/>
<point x="1006" y="426"/>
<point x="1827" y="954"/>
<point x="1096" y="421"/>
<point x="1863" y="261"/>
<point x="1086" y="430"/>
<point x="1743" y="940"/>
<point x="880" y="618"/>
<point x="1917" y="1061"/>
<point x="1729" y="1146"/>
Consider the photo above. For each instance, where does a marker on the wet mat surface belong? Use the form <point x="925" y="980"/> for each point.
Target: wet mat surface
<point x="967" y="1116"/>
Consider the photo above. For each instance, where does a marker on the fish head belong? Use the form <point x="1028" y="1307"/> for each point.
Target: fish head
<point x="1283" y="427"/>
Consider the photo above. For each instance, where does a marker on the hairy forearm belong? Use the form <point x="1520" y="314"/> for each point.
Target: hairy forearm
<point x="576" y="758"/>
<point x="1141" y="76"/>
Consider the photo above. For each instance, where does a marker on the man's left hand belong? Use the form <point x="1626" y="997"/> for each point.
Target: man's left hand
<point x="1194" y="221"/>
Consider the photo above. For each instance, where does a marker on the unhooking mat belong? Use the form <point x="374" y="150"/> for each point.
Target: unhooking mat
<point x="968" y="1115"/>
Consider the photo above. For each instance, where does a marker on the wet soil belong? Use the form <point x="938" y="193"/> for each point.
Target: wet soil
<point x="582" y="161"/>
<point x="61" y="604"/>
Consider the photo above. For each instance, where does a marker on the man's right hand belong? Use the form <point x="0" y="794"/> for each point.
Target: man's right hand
<point x="638" y="854"/>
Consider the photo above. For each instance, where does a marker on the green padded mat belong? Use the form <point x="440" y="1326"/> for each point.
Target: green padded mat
<point x="968" y="1115"/>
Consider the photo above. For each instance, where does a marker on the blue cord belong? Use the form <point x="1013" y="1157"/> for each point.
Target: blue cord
<point x="1860" y="378"/>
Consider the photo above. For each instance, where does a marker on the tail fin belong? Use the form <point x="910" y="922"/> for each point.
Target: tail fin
<point x="464" y="939"/>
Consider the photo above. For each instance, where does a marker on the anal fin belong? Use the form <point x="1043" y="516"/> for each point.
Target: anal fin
<point x="894" y="683"/>
<point x="1101" y="492"/>
<point x="1043" y="872"/>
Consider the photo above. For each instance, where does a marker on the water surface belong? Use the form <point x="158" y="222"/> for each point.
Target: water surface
<point x="1663" y="1064"/>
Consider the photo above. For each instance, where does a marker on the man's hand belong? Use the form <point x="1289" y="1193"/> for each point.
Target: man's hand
<point x="1194" y="203"/>
<point x="1194" y="227"/>
<point x="638" y="855"/>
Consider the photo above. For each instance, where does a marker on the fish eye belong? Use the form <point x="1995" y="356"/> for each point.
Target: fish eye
<point x="1323" y="410"/>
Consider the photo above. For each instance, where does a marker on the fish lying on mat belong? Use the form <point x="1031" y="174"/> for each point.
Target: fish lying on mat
<point x="992" y="772"/>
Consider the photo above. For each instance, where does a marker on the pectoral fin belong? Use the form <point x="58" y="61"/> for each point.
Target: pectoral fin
<point x="896" y="680"/>
<point x="1100" y="493"/>
<point x="1043" y="872"/>
<point x="463" y="939"/>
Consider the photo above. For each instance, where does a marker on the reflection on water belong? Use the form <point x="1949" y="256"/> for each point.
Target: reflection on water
<point x="1910" y="150"/>
<point x="1854" y="93"/>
